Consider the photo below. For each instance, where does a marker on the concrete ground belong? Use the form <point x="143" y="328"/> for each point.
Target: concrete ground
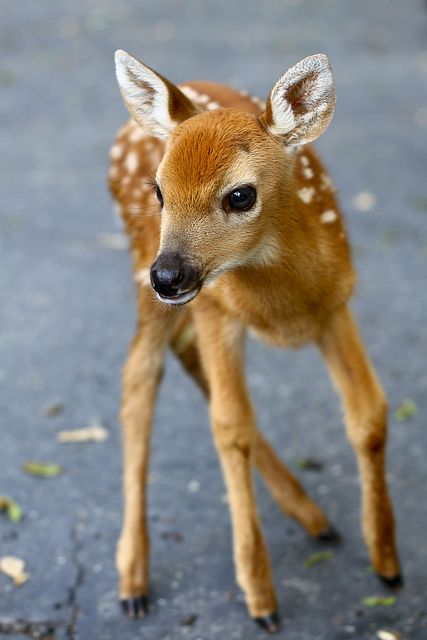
<point x="67" y="315"/>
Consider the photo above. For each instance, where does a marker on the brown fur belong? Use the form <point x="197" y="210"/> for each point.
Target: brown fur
<point x="290" y="281"/>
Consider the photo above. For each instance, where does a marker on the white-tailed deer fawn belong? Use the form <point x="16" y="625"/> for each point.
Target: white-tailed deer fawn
<point x="246" y="225"/>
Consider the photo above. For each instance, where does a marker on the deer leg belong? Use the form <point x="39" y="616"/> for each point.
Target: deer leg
<point x="233" y="428"/>
<point x="283" y="485"/>
<point x="365" y="410"/>
<point x="289" y="493"/>
<point x="141" y="377"/>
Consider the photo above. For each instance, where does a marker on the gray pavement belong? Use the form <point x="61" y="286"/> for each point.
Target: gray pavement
<point x="67" y="315"/>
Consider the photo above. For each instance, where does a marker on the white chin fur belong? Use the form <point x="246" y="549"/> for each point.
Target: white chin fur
<point x="182" y="299"/>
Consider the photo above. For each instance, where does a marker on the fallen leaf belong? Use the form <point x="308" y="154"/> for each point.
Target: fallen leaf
<point x="42" y="469"/>
<point x="188" y="621"/>
<point x="11" y="508"/>
<point x="53" y="410"/>
<point x="315" y="558"/>
<point x="383" y="634"/>
<point x="15" y="569"/>
<point x="86" y="434"/>
<point x="378" y="601"/>
<point x="406" y="410"/>
<point x="309" y="464"/>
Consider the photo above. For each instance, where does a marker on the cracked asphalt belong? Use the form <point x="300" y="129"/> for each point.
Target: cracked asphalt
<point x="67" y="315"/>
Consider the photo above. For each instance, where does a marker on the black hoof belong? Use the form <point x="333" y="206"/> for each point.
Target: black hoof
<point x="269" y="623"/>
<point x="396" y="582"/>
<point x="135" y="608"/>
<point x="329" y="535"/>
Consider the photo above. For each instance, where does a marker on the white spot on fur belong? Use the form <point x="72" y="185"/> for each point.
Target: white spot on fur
<point x="189" y="92"/>
<point x="137" y="135"/>
<point x="212" y="105"/>
<point x="326" y="183"/>
<point x="199" y="98"/>
<point x="328" y="216"/>
<point x="125" y="181"/>
<point x="307" y="171"/>
<point x="202" y="98"/>
<point x="131" y="162"/>
<point x="258" y="101"/>
<point x="306" y="194"/>
<point x="116" y="151"/>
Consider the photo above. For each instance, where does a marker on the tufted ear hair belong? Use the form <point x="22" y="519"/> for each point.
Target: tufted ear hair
<point x="301" y="103"/>
<point x="153" y="102"/>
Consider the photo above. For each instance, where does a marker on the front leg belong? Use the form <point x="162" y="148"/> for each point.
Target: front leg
<point x="366" y="419"/>
<point x="233" y="424"/>
<point x="141" y="377"/>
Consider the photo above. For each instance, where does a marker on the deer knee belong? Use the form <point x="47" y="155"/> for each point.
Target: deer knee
<point x="367" y="429"/>
<point x="229" y="436"/>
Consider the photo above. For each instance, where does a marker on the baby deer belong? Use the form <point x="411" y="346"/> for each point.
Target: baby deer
<point x="246" y="226"/>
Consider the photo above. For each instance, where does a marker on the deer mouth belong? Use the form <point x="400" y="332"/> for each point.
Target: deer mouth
<point x="181" y="297"/>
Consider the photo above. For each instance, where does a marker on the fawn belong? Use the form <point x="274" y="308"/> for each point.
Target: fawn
<point x="246" y="226"/>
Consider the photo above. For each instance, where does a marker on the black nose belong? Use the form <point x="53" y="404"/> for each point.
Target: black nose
<point x="172" y="275"/>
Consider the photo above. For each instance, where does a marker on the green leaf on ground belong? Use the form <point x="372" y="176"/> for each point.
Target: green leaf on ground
<point x="407" y="409"/>
<point x="379" y="601"/>
<point x="11" y="508"/>
<point x="315" y="558"/>
<point x="42" y="469"/>
<point x="309" y="464"/>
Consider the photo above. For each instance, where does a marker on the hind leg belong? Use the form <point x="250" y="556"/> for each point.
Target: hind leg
<point x="366" y="420"/>
<point x="283" y="485"/>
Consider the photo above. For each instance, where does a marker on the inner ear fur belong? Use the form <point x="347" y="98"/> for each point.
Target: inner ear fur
<point x="301" y="103"/>
<point x="152" y="100"/>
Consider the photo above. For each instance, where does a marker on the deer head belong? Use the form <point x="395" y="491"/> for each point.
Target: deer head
<point x="224" y="178"/>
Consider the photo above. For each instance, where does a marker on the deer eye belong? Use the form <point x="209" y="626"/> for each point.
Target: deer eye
<point x="159" y="195"/>
<point x="240" y="199"/>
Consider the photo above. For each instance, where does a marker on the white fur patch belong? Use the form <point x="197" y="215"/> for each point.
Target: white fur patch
<point x="116" y="151"/>
<point x="146" y="96"/>
<point x="284" y="119"/>
<point x="267" y="252"/>
<point x="137" y="135"/>
<point x="326" y="183"/>
<point x="199" y="98"/>
<point x="212" y="105"/>
<point x="131" y="162"/>
<point x="306" y="194"/>
<point x="143" y="276"/>
<point x="191" y="93"/>
<point x="258" y="101"/>
<point x="328" y="216"/>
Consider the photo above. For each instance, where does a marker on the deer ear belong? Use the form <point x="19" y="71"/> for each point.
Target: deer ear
<point x="302" y="102"/>
<point x="153" y="102"/>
